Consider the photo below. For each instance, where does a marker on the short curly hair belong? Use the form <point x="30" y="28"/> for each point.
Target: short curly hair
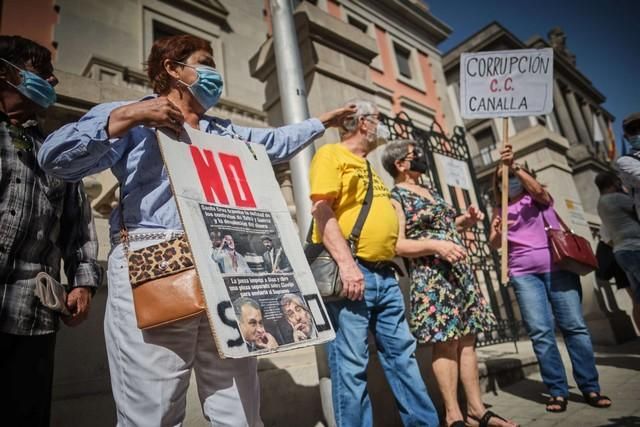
<point x="177" y="48"/>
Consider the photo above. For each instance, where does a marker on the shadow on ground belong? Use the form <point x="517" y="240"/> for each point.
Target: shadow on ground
<point x="624" y="362"/>
<point x="303" y="406"/>
<point x="630" y="421"/>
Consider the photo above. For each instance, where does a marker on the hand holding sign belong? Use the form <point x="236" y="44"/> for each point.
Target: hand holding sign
<point x="502" y="84"/>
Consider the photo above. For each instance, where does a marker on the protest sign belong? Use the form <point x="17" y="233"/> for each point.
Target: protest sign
<point x="506" y="83"/>
<point x="260" y="293"/>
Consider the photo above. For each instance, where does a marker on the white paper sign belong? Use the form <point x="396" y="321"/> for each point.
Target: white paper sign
<point x="456" y="172"/>
<point x="259" y="290"/>
<point x="506" y="83"/>
<point x="576" y="213"/>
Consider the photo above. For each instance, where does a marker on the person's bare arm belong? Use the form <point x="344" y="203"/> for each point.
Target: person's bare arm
<point x="533" y="187"/>
<point x="495" y="232"/>
<point x="412" y="248"/>
<point x="332" y="238"/>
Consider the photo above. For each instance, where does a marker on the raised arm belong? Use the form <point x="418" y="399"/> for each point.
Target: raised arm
<point x="332" y="238"/>
<point x="284" y="142"/>
<point x="82" y="148"/>
<point x="100" y="138"/>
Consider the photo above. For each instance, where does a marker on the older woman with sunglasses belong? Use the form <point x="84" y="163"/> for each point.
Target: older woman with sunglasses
<point x="150" y="370"/>
<point x="447" y="308"/>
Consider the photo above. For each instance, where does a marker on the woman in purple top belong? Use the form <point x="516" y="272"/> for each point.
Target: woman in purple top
<point x="545" y="294"/>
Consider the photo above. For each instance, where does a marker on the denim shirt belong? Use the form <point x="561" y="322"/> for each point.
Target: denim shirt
<point x="84" y="148"/>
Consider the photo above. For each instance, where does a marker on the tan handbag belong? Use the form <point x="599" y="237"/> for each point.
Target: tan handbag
<point x="165" y="285"/>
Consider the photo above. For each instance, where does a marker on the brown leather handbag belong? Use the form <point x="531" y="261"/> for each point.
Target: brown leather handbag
<point x="165" y="285"/>
<point x="570" y="251"/>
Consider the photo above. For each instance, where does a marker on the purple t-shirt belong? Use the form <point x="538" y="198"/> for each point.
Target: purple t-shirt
<point x="528" y="242"/>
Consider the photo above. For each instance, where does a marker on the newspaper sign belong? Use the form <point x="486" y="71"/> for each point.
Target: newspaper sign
<point x="260" y="293"/>
<point x="456" y="172"/>
<point x="506" y="83"/>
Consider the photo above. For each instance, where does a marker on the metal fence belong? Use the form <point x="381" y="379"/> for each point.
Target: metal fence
<point x="484" y="260"/>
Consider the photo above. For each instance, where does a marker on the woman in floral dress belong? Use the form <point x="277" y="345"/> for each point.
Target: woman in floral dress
<point x="447" y="307"/>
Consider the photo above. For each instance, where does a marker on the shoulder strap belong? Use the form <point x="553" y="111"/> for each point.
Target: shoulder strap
<point x="362" y="216"/>
<point x="364" y="211"/>
<point x="546" y="223"/>
<point x="124" y="233"/>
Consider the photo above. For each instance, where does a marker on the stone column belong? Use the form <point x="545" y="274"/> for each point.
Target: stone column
<point x="587" y="114"/>
<point x="563" y="115"/>
<point x="583" y="132"/>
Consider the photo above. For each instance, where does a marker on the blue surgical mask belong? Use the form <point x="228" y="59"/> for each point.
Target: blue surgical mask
<point x="515" y="187"/>
<point x="34" y="87"/>
<point x="207" y="88"/>
<point x="634" y="141"/>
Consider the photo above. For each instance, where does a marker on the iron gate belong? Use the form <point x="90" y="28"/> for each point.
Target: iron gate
<point x="484" y="261"/>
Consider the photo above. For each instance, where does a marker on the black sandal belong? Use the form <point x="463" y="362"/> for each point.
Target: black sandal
<point x="484" y="421"/>
<point x="559" y="401"/>
<point x="596" y="399"/>
<point x="457" y="423"/>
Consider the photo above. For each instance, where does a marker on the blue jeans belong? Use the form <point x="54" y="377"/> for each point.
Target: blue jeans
<point x="629" y="261"/>
<point x="544" y="299"/>
<point x="382" y="312"/>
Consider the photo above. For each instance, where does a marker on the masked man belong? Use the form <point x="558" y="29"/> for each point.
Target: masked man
<point x="43" y="220"/>
<point x="372" y="298"/>
<point x="629" y="165"/>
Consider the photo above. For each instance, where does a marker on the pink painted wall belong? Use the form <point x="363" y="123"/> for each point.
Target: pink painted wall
<point x="32" y="19"/>
<point x="387" y="78"/>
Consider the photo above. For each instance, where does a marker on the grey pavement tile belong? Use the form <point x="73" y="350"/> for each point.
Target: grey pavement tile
<point x="619" y="368"/>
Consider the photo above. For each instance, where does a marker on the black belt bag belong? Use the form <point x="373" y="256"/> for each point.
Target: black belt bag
<point x="323" y="267"/>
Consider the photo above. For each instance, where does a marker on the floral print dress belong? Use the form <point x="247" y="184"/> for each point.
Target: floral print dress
<point x="445" y="302"/>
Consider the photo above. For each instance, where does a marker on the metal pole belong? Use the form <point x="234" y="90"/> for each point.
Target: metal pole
<point x="293" y="98"/>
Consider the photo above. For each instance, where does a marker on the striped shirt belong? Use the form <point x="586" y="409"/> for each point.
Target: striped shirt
<point x="43" y="220"/>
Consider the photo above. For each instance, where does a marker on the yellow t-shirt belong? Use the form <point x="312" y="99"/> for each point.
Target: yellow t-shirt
<point x="338" y="173"/>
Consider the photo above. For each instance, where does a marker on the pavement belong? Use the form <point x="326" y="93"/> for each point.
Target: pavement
<point x="523" y="399"/>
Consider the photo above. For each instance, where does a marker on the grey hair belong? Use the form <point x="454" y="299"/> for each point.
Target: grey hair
<point x="287" y="299"/>
<point x="395" y="151"/>
<point x="241" y="302"/>
<point x="364" y="107"/>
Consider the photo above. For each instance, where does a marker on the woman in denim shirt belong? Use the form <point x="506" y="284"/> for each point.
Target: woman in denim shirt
<point x="150" y="370"/>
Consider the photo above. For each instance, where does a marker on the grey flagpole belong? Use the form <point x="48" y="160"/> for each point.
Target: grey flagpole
<point x="293" y="98"/>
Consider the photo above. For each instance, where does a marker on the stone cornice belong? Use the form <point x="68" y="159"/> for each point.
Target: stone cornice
<point x="414" y="15"/>
<point x="317" y="26"/>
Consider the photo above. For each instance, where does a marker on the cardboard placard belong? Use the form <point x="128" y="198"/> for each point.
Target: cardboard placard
<point x="506" y="83"/>
<point x="259" y="290"/>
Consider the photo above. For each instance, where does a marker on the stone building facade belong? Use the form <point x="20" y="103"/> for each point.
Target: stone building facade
<point x="565" y="149"/>
<point x="383" y="50"/>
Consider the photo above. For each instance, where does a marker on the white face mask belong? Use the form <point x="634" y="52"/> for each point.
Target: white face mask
<point x="379" y="136"/>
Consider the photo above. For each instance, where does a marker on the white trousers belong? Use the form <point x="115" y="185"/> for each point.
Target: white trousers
<point x="150" y="370"/>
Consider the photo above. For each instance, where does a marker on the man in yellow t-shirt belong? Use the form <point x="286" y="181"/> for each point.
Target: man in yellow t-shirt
<point x="372" y="298"/>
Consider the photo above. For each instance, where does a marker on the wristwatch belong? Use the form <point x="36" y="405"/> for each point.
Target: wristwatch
<point x="516" y="167"/>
